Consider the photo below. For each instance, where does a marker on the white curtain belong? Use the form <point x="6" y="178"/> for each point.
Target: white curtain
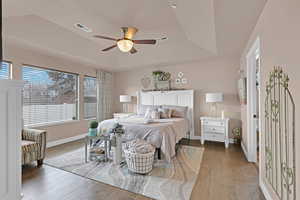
<point x="104" y="95"/>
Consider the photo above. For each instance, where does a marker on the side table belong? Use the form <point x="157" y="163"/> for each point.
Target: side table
<point x="89" y="142"/>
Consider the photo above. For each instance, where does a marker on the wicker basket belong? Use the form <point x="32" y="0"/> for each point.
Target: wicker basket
<point x="139" y="163"/>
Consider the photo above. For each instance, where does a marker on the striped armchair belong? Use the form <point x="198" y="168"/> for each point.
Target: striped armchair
<point x="33" y="146"/>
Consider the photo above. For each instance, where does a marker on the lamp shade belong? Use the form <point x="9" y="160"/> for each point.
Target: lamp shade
<point x="214" y="97"/>
<point x="125" y="98"/>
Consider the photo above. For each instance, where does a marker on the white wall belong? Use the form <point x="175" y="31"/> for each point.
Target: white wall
<point x="279" y="32"/>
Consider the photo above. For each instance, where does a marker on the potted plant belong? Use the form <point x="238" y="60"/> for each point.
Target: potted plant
<point x="157" y="75"/>
<point x="237" y="134"/>
<point x="93" y="128"/>
<point x="161" y="80"/>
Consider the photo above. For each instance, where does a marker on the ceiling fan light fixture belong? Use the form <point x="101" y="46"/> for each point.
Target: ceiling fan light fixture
<point x="125" y="45"/>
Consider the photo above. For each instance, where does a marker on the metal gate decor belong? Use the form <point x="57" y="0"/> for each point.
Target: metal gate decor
<point x="280" y="135"/>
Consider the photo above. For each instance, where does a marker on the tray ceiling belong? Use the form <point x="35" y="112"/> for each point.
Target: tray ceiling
<point x="196" y="29"/>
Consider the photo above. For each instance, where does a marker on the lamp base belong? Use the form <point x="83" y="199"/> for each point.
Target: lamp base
<point x="214" y="110"/>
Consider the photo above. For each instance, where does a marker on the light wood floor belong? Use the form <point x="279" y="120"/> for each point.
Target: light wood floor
<point x="224" y="175"/>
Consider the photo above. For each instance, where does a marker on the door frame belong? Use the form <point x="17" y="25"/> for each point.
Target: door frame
<point x="252" y="101"/>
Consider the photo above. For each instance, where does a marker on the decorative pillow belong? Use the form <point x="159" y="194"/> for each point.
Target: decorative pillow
<point x="178" y="111"/>
<point x="148" y="113"/>
<point x="155" y="114"/>
<point x="165" y="113"/>
<point x="152" y="114"/>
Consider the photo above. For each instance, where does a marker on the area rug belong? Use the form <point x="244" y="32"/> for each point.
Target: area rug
<point x="174" y="180"/>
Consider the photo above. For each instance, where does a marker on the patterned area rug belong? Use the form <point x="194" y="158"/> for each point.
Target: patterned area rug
<point x="173" y="180"/>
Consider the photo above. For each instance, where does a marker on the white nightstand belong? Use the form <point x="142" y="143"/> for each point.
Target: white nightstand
<point x="215" y="129"/>
<point x="121" y="115"/>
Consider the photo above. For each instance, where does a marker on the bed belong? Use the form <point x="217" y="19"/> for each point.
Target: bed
<point x="164" y="134"/>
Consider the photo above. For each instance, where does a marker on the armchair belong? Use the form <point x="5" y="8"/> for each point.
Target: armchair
<point x="33" y="146"/>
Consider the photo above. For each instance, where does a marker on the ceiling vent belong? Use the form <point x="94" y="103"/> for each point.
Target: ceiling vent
<point x="83" y="27"/>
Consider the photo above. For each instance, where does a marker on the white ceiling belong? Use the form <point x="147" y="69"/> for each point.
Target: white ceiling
<point x="196" y="29"/>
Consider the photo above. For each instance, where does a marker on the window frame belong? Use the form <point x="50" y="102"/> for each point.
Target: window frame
<point x="89" y="118"/>
<point x="61" y="122"/>
<point x="9" y="69"/>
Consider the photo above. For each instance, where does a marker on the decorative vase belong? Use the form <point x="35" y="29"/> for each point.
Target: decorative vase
<point x="92" y="132"/>
<point x="118" y="150"/>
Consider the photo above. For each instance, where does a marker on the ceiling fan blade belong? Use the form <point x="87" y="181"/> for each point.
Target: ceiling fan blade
<point x="109" y="48"/>
<point x="129" y="32"/>
<point x="133" y="50"/>
<point x="104" y="37"/>
<point x="144" y="41"/>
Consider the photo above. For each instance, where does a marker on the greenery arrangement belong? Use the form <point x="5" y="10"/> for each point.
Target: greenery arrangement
<point x="93" y="124"/>
<point x="161" y="75"/>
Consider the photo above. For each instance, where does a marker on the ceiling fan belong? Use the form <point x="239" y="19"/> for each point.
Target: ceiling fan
<point x="126" y="43"/>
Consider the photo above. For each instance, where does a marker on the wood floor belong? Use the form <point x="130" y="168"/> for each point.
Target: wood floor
<point x="224" y="175"/>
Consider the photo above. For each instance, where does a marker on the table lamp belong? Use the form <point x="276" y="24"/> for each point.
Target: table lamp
<point x="213" y="99"/>
<point x="125" y="99"/>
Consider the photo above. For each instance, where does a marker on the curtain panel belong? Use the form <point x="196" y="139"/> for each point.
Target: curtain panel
<point x="104" y="95"/>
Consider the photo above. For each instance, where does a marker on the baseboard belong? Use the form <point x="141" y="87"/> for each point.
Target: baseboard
<point x="244" y="150"/>
<point x="231" y="140"/>
<point x="265" y="191"/>
<point x="65" y="140"/>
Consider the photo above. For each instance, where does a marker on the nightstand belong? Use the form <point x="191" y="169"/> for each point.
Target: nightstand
<point x="122" y="115"/>
<point x="215" y="129"/>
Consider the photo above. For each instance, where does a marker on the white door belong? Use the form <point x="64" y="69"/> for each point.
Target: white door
<point x="10" y="139"/>
<point x="253" y="99"/>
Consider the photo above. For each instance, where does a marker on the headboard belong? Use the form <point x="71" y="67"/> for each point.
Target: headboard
<point x="174" y="97"/>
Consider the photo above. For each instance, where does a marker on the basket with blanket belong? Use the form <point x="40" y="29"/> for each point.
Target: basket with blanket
<point x="139" y="156"/>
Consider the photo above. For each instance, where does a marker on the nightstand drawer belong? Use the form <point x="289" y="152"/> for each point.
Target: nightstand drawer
<point x="213" y="123"/>
<point x="214" y="129"/>
<point x="214" y="137"/>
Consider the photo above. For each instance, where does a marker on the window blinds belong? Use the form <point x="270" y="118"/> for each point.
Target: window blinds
<point x="4" y="70"/>
<point x="90" y="97"/>
<point x="49" y="96"/>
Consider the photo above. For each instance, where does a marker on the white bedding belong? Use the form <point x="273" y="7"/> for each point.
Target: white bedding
<point x="162" y="133"/>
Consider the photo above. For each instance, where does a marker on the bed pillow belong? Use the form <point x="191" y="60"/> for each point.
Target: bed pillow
<point x="152" y="114"/>
<point x="148" y="113"/>
<point x="155" y="114"/>
<point x="178" y="111"/>
<point x="165" y="113"/>
<point x="143" y="108"/>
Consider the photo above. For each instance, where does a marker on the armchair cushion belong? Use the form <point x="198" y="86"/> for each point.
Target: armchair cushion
<point x="29" y="146"/>
<point x="33" y="145"/>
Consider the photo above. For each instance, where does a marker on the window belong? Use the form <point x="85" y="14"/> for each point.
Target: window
<point x="4" y="70"/>
<point x="90" y="97"/>
<point x="49" y="96"/>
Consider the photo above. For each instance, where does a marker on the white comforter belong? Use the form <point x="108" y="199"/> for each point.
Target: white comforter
<point x="162" y="133"/>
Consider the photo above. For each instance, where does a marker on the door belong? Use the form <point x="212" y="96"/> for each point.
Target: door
<point x="253" y="99"/>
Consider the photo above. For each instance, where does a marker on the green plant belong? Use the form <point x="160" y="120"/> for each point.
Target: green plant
<point x="157" y="73"/>
<point x="93" y="124"/>
<point x="237" y="134"/>
<point x="161" y="75"/>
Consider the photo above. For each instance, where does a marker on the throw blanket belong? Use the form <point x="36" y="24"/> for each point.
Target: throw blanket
<point x="139" y="146"/>
<point x="161" y="133"/>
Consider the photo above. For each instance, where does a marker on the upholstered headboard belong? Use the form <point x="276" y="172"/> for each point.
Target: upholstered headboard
<point x="175" y="97"/>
